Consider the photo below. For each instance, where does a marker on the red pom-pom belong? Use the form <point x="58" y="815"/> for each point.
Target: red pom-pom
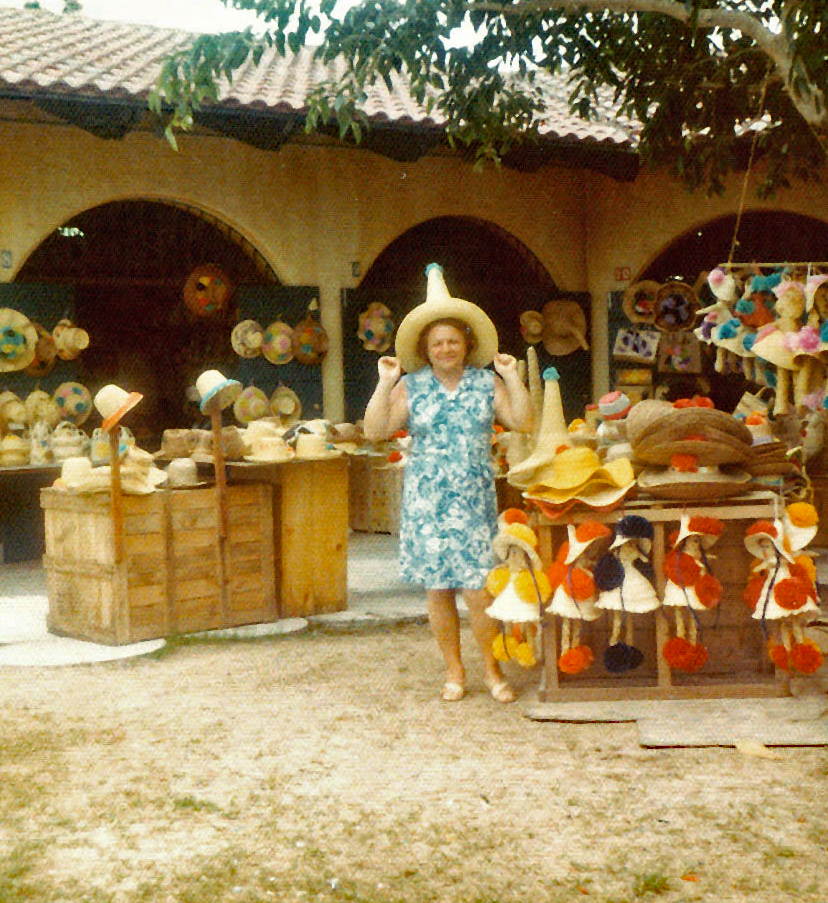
<point x="400" y="434"/>
<point x="709" y="526"/>
<point x="583" y="586"/>
<point x="698" y="659"/>
<point x="395" y="456"/>
<point x="681" y="569"/>
<point x="791" y="593"/>
<point x="678" y="653"/>
<point x="709" y="590"/>
<point x="515" y="516"/>
<point x="763" y="527"/>
<point x="591" y="529"/>
<point x="684" y="463"/>
<point x="753" y="591"/>
<point x="778" y="654"/>
<point x="806" y="657"/>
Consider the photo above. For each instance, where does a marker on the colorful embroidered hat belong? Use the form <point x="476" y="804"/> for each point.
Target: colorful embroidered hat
<point x="440" y="305"/>
<point x="277" y="343"/>
<point x="676" y="306"/>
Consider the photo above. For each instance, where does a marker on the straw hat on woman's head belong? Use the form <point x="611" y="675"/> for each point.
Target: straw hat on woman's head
<point x="439" y="305"/>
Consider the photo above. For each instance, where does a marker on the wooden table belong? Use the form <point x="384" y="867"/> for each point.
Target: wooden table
<point x="738" y="664"/>
<point x="310" y="531"/>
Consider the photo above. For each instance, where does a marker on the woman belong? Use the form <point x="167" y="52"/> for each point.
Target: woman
<point x="449" y="510"/>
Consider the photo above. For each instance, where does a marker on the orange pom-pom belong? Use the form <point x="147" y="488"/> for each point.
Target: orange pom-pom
<point x="591" y="529"/>
<point x="804" y="567"/>
<point x="395" y="456"/>
<point x="755" y="419"/>
<point x="709" y="526"/>
<point x="778" y="654"/>
<point x="761" y="526"/>
<point x="801" y="514"/>
<point x="684" y="463"/>
<point x="563" y="552"/>
<point x="672" y="539"/>
<point x="561" y="448"/>
<point x="556" y="572"/>
<point x="806" y="657"/>
<point x="709" y="590"/>
<point x="702" y="401"/>
<point x="681" y="568"/>
<point x="698" y="658"/>
<point x="682" y="403"/>
<point x="753" y="591"/>
<point x="791" y="593"/>
<point x="400" y="434"/>
<point x="575" y="660"/>
<point x="695" y="437"/>
<point x="678" y="653"/>
<point x="583" y="586"/>
<point x="515" y="516"/>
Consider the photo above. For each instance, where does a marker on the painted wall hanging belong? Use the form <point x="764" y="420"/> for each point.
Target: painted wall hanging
<point x="277" y="344"/>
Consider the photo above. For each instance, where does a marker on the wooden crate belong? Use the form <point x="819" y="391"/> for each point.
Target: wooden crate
<point x="171" y="578"/>
<point x="374" y="494"/>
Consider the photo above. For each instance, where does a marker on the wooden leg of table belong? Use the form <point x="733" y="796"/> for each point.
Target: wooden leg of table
<point x="221" y="510"/>
<point x="115" y="491"/>
<point x="662" y="633"/>
<point x="549" y="645"/>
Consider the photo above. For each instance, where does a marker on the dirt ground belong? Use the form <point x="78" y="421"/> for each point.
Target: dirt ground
<point x="324" y="767"/>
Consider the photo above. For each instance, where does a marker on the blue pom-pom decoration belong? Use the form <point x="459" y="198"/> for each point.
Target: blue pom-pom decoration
<point x="823" y="332"/>
<point x="728" y="330"/>
<point x="770" y="378"/>
<point x="551" y="373"/>
<point x="745" y="306"/>
<point x="431" y="266"/>
<point x="748" y="340"/>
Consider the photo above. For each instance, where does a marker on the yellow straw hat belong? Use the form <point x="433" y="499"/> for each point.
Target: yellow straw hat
<point x="440" y="305"/>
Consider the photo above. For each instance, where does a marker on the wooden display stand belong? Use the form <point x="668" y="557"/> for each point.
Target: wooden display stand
<point x="159" y="573"/>
<point x="310" y="530"/>
<point x="738" y="664"/>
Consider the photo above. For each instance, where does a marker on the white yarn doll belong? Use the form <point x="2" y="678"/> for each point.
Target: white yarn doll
<point x="624" y="589"/>
<point x="519" y="586"/>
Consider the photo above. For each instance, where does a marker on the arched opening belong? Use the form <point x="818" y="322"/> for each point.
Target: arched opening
<point x="482" y="263"/>
<point x="125" y="264"/>
<point x="763" y="236"/>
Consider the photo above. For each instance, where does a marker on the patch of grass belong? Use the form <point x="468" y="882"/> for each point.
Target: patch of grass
<point x="651" y="883"/>
<point x="20" y="882"/>
<point x="191" y="804"/>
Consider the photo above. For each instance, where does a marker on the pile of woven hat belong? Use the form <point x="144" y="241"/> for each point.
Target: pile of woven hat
<point x="689" y="450"/>
<point x="773" y="328"/>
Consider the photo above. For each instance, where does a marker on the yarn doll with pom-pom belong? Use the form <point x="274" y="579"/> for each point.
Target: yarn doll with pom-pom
<point x="781" y="592"/>
<point x="625" y="589"/>
<point x="690" y="587"/>
<point x="519" y="586"/>
<point x="574" y="592"/>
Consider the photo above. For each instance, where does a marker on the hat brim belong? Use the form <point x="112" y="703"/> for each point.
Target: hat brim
<point x="416" y="320"/>
<point x="224" y="394"/>
<point x="132" y="399"/>
<point x="16" y="320"/>
<point x="672" y="485"/>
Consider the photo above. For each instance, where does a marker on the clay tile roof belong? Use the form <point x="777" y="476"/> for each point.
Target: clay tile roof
<point x="43" y="54"/>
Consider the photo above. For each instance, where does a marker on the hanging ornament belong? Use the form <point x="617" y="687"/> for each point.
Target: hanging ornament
<point x="74" y="402"/>
<point x="376" y="328"/>
<point x="310" y="341"/>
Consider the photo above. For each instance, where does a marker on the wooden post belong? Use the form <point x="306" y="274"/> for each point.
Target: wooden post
<point x="115" y="493"/>
<point x="662" y="633"/>
<point x="221" y="506"/>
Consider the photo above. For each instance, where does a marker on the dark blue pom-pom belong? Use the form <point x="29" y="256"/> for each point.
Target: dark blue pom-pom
<point x="608" y="573"/>
<point x="634" y="525"/>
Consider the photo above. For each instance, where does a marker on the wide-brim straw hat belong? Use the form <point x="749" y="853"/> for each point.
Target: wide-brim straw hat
<point x="277" y="343"/>
<point x="215" y="389"/>
<point x="286" y="405"/>
<point x="725" y="439"/>
<point x="706" y="483"/>
<point x="643" y="414"/>
<point x="597" y="496"/>
<point x="440" y="305"/>
<point x="582" y="536"/>
<point x="564" y="327"/>
<point x="576" y="469"/>
<point x="251" y="404"/>
<point x="112" y="403"/>
<point x="270" y="450"/>
<point x="247" y="338"/>
<point x="708" y="529"/>
<point x="17" y="340"/>
<point x="519" y="536"/>
<point x="638" y="302"/>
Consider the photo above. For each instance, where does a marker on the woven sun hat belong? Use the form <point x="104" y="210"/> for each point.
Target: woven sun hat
<point x="583" y="536"/>
<point x="74" y="402"/>
<point x="277" y="343"/>
<point x="700" y="484"/>
<point x="17" y="340"/>
<point x="286" y="405"/>
<point x="800" y="524"/>
<point x="676" y="306"/>
<point x="517" y="535"/>
<point x="269" y="450"/>
<point x="310" y="340"/>
<point x="564" y="327"/>
<point x="70" y="340"/>
<point x="251" y="404"/>
<point x="314" y="446"/>
<point x="182" y="473"/>
<point x="765" y="529"/>
<point x="247" y="338"/>
<point x="634" y="526"/>
<point x="708" y="529"/>
<point x="572" y="469"/>
<point x="643" y="414"/>
<point x="440" y="305"/>
<point x="638" y="302"/>
<point x="595" y="496"/>
<point x="215" y="389"/>
<point x="112" y="403"/>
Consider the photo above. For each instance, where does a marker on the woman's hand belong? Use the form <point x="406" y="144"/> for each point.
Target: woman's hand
<point x="505" y="364"/>
<point x="389" y="370"/>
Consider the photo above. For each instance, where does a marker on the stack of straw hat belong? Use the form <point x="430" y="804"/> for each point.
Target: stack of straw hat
<point x="688" y="450"/>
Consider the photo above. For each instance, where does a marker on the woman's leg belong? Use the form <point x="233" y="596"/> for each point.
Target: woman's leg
<point x="485" y="629"/>
<point x="445" y="625"/>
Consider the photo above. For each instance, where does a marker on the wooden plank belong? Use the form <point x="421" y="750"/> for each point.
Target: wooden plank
<point x="170" y="575"/>
<point x="271" y="612"/>
<point x="719" y="689"/>
<point x="244" y="532"/>
<point x="195" y="588"/>
<point x="189" y="566"/>
<point x="252" y="581"/>
<point x="244" y="551"/>
<point x="139" y="596"/>
<point x="189" y="539"/>
<point x="143" y="570"/>
<point x="151" y="544"/>
<point x="144" y="523"/>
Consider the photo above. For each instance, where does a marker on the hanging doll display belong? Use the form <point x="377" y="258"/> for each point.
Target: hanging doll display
<point x="574" y="593"/>
<point x="782" y="592"/>
<point x="625" y="588"/>
<point x="690" y="587"/>
<point x="520" y="588"/>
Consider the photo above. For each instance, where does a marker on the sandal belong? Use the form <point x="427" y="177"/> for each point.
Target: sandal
<point x="452" y="692"/>
<point x="502" y="692"/>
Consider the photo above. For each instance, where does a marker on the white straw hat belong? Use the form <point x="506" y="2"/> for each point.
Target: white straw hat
<point x="440" y="305"/>
<point x="215" y="389"/>
<point x="112" y="402"/>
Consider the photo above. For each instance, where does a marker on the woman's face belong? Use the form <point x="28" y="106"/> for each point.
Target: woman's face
<point x="446" y="347"/>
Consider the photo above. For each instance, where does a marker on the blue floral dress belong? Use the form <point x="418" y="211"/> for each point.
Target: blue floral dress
<point x="449" y="508"/>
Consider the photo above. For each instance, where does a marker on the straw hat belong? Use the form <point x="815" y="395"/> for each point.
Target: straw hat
<point x="247" y="338"/>
<point x="314" y="446"/>
<point x="177" y="443"/>
<point x="45" y="355"/>
<point x="519" y="536"/>
<point x="182" y="473"/>
<point x="437" y="306"/>
<point x="638" y="302"/>
<point x="12" y="409"/>
<point x="722" y="284"/>
<point x="251" y="404"/>
<point x="764" y="529"/>
<point x="676" y="306"/>
<point x="564" y="327"/>
<point x="703" y="483"/>
<point x="583" y="536"/>
<point x="376" y="327"/>
<point x="643" y="414"/>
<point x="17" y="340"/>
<point x="74" y="402"/>
<point x="595" y="496"/>
<point x="310" y="341"/>
<point x="113" y="402"/>
<point x="70" y="340"/>
<point x="233" y="445"/>
<point x="216" y="391"/>
<point x="269" y="450"/>
<point x="207" y="290"/>
<point x="573" y="468"/>
<point x="286" y="405"/>
<point x="277" y="343"/>
<point x="531" y="326"/>
<point x="709" y="529"/>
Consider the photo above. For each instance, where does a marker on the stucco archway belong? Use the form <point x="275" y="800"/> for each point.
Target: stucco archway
<point x="127" y="262"/>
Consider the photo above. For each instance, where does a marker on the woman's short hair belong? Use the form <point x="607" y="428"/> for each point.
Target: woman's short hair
<point x="460" y="325"/>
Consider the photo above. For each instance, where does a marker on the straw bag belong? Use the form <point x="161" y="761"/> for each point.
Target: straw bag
<point x="755" y="403"/>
